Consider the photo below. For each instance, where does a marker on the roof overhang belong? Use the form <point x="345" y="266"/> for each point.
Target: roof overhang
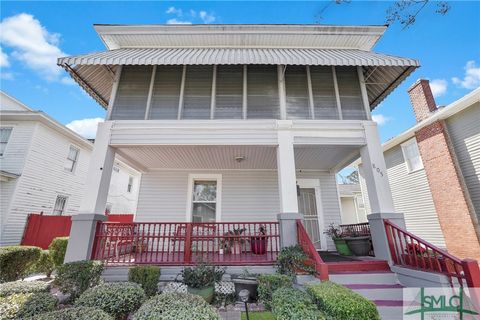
<point x="95" y="72"/>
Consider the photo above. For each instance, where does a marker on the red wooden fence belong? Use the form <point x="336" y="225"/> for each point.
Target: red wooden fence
<point x="304" y="241"/>
<point x="41" y="229"/>
<point x="181" y="243"/>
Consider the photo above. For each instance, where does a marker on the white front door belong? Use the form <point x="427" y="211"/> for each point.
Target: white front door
<point x="309" y="204"/>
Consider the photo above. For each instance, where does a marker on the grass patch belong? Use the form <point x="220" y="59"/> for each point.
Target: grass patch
<point x="262" y="315"/>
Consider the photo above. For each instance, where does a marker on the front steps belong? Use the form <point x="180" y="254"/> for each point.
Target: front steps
<point x="380" y="287"/>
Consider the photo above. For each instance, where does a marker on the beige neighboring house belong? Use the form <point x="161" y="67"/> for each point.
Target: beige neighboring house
<point x="434" y="171"/>
<point x="352" y="204"/>
<point x="43" y="167"/>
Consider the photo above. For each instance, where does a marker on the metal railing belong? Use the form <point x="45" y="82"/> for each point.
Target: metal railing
<point x="180" y="243"/>
<point x="321" y="268"/>
<point x="408" y="250"/>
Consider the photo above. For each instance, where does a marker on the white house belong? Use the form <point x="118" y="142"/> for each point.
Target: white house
<point x="351" y="203"/>
<point x="43" y="169"/>
<point x="233" y="123"/>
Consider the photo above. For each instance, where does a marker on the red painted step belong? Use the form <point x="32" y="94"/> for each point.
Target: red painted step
<point x="358" y="266"/>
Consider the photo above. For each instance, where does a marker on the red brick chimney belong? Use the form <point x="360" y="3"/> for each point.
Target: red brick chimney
<point x="444" y="176"/>
<point x="422" y="99"/>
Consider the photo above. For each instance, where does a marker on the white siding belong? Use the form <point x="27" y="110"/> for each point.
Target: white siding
<point x="7" y="189"/>
<point x="16" y="151"/>
<point x="464" y="131"/>
<point x="247" y="195"/>
<point x="120" y="199"/>
<point x="43" y="178"/>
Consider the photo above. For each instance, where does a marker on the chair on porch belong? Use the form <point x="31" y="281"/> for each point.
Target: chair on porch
<point x="120" y="239"/>
<point x="200" y="233"/>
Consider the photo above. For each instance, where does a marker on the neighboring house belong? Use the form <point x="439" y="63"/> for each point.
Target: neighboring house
<point x="43" y="169"/>
<point x="237" y="123"/>
<point x="434" y="171"/>
<point x="351" y="203"/>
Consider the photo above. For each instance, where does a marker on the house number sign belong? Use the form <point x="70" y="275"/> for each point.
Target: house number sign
<point x="380" y="172"/>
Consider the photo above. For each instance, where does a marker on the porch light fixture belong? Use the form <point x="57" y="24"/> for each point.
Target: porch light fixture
<point x="240" y="158"/>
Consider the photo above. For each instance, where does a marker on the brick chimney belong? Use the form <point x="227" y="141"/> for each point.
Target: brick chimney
<point x="422" y="99"/>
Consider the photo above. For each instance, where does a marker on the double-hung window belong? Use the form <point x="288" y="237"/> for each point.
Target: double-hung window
<point x="60" y="203"/>
<point x="4" y="137"/>
<point x="72" y="159"/>
<point x="205" y="196"/>
<point x="411" y="154"/>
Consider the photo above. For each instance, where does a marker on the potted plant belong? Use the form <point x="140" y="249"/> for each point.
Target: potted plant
<point x="201" y="279"/>
<point x="258" y="243"/>
<point x="233" y="241"/>
<point x="293" y="260"/>
<point x="246" y="280"/>
<point x="360" y="245"/>
<point x="340" y="243"/>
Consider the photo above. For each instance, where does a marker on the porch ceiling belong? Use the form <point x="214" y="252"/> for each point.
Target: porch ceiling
<point x="223" y="157"/>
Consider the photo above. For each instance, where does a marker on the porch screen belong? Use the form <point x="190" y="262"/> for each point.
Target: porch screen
<point x="198" y="92"/>
<point x="324" y="101"/>
<point x="166" y="92"/>
<point x="297" y="93"/>
<point x="262" y="98"/>
<point x="350" y="94"/>
<point x="132" y="93"/>
<point x="204" y="206"/>
<point x="229" y="92"/>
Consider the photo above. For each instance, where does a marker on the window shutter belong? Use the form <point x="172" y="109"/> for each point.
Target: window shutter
<point x="229" y="92"/>
<point x="350" y="93"/>
<point x="262" y="87"/>
<point x="166" y="92"/>
<point x="132" y="93"/>
<point x="198" y="92"/>
<point x="297" y="93"/>
<point x="325" y="104"/>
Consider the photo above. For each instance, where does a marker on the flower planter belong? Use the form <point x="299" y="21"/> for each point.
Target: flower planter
<point x="206" y="293"/>
<point x="258" y="245"/>
<point x="360" y="246"/>
<point x="342" y="247"/>
<point x="251" y="284"/>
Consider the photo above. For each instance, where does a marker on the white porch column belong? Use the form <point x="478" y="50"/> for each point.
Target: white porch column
<point x="287" y="180"/>
<point x="99" y="172"/>
<point x="374" y="172"/>
<point x="92" y="208"/>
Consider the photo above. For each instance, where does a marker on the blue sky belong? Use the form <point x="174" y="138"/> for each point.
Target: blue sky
<point x="34" y="34"/>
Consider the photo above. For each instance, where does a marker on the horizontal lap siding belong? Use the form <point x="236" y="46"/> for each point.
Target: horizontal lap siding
<point x="464" y="132"/>
<point x="17" y="147"/>
<point x="412" y="197"/>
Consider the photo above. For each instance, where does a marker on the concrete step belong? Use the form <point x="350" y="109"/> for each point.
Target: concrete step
<point x="378" y="291"/>
<point x="389" y="310"/>
<point x="358" y="266"/>
<point x="347" y="278"/>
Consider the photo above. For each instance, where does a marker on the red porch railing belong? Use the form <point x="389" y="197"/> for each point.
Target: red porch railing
<point x="179" y="243"/>
<point x="408" y="250"/>
<point x="361" y="229"/>
<point x="304" y="241"/>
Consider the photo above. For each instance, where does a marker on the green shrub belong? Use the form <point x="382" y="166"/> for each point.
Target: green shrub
<point x="44" y="264"/>
<point x="291" y="260"/>
<point x="79" y="313"/>
<point x="338" y="302"/>
<point x="293" y="304"/>
<point x="169" y="306"/>
<point x="9" y="288"/>
<point x="201" y="275"/>
<point x="268" y="283"/>
<point x="16" y="261"/>
<point x="24" y="305"/>
<point x="117" y="299"/>
<point x="147" y="277"/>
<point x="75" y="277"/>
<point x="57" y="249"/>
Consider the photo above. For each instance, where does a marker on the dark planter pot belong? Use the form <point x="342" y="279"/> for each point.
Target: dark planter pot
<point x="258" y="245"/>
<point x="342" y="247"/>
<point x="206" y="293"/>
<point x="251" y="284"/>
<point x="360" y="246"/>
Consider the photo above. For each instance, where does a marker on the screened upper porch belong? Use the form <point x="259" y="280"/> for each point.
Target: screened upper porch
<point x="238" y="92"/>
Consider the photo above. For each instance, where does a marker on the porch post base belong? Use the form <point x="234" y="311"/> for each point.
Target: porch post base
<point x="82" y="234"/>
<point x="379" y="236"/>
<point x="288" y="228"/>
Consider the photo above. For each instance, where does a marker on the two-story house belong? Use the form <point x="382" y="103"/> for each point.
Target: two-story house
<point x="235" y="123"/>
<point x="43" y="167"/>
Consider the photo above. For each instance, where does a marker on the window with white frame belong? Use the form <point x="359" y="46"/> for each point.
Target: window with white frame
<point x="60" y="204"/>
<point x="4" y="137"/>
<point x="411" y="154"/>
<point x="204" y="200"/>
<point x="72" y="159"/>
<point x="130" y="184"/>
